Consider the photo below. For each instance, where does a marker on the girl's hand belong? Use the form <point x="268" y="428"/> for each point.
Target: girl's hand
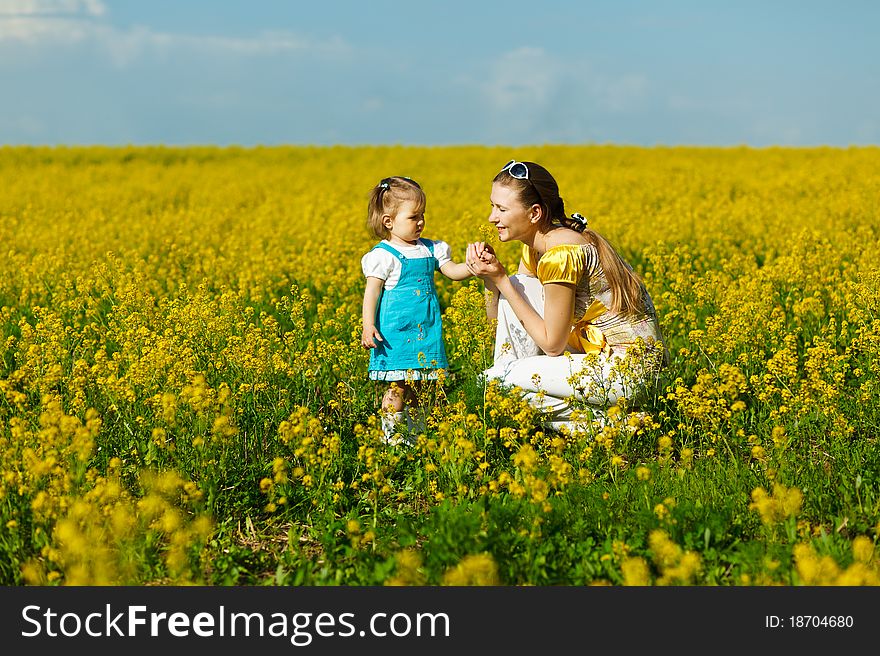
<point x="474" y="251"/>
<point x="370" y="336"/>
<point x="482" y="248"/>
<point x="482" y="261"/>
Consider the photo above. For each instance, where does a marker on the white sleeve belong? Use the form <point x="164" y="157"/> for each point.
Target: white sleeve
<point x="377" y="263"/>
<point x="442" y="252"/>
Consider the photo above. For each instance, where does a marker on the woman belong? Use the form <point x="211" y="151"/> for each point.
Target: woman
<point x="573" y="295"/>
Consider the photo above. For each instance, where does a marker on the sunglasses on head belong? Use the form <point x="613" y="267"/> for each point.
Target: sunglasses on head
<point x="520" y="171"/>
<point x="517" y="170"/>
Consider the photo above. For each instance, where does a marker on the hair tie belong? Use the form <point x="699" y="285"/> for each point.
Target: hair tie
<point x="579" y="222"/>
<point x="384" y="185"/>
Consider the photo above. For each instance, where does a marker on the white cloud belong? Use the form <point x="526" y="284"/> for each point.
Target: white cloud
<point x="531" y="78"/>
<point x="127" y="46"/>
<point x="523" y="79"/>
<point x="65" y="23"/>
<point x="34" y="31"/>
<point x="51" y="7"/>
<point x="373" y="104"/>
<point x="537" y="95"/>
<point x="623" y="93"/>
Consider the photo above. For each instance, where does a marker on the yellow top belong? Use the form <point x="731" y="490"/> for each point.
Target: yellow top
<point x="567" y="263"/>
<point x="563" y="263"/>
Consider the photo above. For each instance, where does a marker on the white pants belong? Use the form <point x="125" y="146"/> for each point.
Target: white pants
<point x="551" y="383"/>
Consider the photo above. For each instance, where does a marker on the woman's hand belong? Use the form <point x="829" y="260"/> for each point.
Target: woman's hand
<point x="483" y="262"/>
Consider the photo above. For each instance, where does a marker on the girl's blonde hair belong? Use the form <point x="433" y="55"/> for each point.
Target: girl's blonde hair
<point x="387" y="196"/>
<point x="540" y="188"/>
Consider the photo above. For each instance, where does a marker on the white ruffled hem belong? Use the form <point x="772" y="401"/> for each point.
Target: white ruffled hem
<point x="406" y="374"/>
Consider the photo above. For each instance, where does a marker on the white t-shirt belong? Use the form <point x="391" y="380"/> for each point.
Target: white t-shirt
<point x="379" y="263"/>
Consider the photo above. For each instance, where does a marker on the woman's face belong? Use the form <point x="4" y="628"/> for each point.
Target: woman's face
<point x="511" y="218"/>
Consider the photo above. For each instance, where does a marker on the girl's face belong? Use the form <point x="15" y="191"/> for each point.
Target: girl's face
<point x="406" y="224"/>
<point x="511" y="218"/>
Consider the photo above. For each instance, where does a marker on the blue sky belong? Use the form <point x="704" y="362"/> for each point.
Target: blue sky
<point x="453" y="72"/>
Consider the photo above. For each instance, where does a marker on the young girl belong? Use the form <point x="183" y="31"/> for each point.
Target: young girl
<point x="401" y="313"/>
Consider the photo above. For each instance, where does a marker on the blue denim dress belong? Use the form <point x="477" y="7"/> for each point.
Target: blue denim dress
<point x="408" y="319"/>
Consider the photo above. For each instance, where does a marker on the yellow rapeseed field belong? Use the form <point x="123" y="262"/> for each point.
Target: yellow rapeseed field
<point x="183" y="396"/>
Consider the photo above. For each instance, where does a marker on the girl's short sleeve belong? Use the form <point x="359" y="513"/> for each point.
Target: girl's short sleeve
<point x="565" y="263"/>
<point x="442" y="252"/>
<point x="377" y="263"/>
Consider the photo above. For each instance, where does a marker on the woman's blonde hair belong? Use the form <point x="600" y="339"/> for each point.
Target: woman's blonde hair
<point x="627" y="290"/>
<point x="540" y="188"/>
<point x="387" y="196"/>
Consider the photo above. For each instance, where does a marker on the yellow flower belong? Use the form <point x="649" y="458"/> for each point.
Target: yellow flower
<point x="687" y="457"/>
<point x="476" y="569"/>
<point x="863" y="549"/>
<point x="526" y="458"/>
<point x="676" y="565"/>
<point x="635" y="571"/>
<point x="408" y="570"/>
<point x="784" y="502"/>
<point x="778" y="435"/>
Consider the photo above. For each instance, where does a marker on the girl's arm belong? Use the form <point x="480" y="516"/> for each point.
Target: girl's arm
<point x="370" y="334"/>
<point x="456" y="271"/>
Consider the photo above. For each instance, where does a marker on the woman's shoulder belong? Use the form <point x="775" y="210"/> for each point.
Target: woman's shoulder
<point x="565" y="237"/>
<point x="581" y="251"/>
<point x="564" y="263"/>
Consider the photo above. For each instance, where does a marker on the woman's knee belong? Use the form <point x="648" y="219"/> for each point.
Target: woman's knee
<point x="537" y="373"/>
